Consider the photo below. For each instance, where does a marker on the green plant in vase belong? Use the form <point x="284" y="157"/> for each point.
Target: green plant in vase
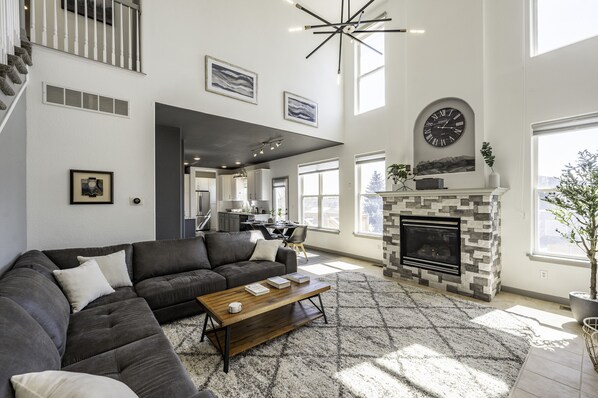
<point x="486" y="151"/>
<point x="575" y="206"/>
<point x="400" y="174"/>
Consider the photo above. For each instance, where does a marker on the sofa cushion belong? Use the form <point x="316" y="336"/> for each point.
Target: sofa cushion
<point x="114" y="268"/>
<point x="231" y="247"/>
<point x="104" y="328"/>
<point x="246" y="272"/>
<point x="149" y="367"/>
<point x="164" y="257"/>
<point x="37" y="261"/>
<point x="120" y="294"/>
<point x="167" y="290"/>
<point x="60" y="384"/>
<point x="24" y="346"/>
<point x="42" y="299"/>
<point x="83" y="284"/>
<point x="67" y="258"/>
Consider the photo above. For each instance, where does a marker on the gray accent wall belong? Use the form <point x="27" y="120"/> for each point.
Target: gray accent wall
<point x="13" y="198"/>
<point x="169" y="183"/>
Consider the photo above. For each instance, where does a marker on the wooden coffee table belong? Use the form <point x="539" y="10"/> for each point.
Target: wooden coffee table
<point x="263" y="318"/>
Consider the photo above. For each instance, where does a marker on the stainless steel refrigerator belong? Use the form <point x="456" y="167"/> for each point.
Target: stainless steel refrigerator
<point x="204" y="211"/>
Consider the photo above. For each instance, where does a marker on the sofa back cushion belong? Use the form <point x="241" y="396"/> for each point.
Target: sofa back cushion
<point x="24" y="346"/>
<point x="38" y="261"/>
<point x="67" y="258"/>
<point x="166" y="257"/>
<point x="231" y="247"/>
<point x="41" y="299"/>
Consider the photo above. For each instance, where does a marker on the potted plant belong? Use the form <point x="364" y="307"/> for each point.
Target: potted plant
<point x="575" y="205"/>
<point x="486" y="151"/>
<point x="400" y="174"/>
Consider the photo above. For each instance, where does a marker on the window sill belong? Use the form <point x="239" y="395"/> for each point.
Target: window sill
<point x="325" y="230"/>
<point x="559" y="260"/>
<point x="368" y="236"/>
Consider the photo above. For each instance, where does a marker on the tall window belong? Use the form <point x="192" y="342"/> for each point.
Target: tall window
<point x="557" y="144"/>
<point x="319" y="187"/>
<point x="559" y="23"/>
<point x="370" y="170"/>
<point x="369" y="72"/>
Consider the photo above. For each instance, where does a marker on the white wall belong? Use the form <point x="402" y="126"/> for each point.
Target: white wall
<point x="519" y="91"/>
<point x="176" y="37"/>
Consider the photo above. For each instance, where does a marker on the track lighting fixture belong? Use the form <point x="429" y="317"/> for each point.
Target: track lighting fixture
<point x="272" y="144"/>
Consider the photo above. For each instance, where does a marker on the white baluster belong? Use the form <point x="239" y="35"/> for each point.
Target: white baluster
<point x="105" y="45"/>
<point x="32" y="21"/>
<point x="55" y="35"/>
<point x="138" y="47"/>
<point x="130" y="42"/>
<point x="113" y="34"/>
<point x="2" y="34"/>
<point x="95" y="30"/>
<point x="122" y="54"/>
<point x="76" y="28"/>
<point x="86" y="43"/>
<point x="65" y="44"/>
<point x="44" y="24"/>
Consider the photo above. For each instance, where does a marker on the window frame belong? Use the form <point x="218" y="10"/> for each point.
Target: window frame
<point x="379" y="156"/>
<point x="320" y="196"/>
<point x="560" y="126"/>
<point x="357" y="65"/>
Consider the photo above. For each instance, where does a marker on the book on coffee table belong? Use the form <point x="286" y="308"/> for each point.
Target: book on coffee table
<point x="256" y="289"/>
<point x="278" y="282"/>
<point x="297" y="277"/>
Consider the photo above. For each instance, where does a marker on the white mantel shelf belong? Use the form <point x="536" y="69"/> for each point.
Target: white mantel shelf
<point x="447" y="192"/>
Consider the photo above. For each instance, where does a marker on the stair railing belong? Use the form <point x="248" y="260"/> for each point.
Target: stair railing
<point x="107" y="31"/>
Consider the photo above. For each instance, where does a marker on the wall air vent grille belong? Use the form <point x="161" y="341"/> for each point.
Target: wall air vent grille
<point x="60" y="96"/>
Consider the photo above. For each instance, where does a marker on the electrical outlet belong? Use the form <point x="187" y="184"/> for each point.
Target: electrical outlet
<point x="543" y="274"/>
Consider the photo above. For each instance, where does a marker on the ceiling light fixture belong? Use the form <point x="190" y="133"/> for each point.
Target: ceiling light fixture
<point x="223" y="166"/>
<point x="237" y="163"/>
<point x="197" y="158"/>
<point x="186" y="163"/>
<point x="348" y="25"/>
<point x="272" y="144"/>
<point x="242" y="173"/>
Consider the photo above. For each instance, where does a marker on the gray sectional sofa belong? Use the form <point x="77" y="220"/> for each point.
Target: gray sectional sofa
<point x="119" y="335"/>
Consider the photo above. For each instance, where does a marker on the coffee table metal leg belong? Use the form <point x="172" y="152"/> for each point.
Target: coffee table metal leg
<point x="205" y="324"/>
<point x="226" y="348"/>
<point x="322" y="309"/>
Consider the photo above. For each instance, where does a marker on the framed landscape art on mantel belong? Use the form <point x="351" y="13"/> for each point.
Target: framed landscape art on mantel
<point x="301" y="110"/>
<point x="229" y="80"/>
<point x="91" y="187"/>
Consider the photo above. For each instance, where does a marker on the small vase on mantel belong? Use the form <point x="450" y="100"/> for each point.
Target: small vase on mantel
<point x="494" y="180"/>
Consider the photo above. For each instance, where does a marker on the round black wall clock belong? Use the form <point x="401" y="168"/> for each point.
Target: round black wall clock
<point x="444" y="127"/>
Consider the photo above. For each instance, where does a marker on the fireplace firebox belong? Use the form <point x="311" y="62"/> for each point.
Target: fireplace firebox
<point x="432" y="243"/>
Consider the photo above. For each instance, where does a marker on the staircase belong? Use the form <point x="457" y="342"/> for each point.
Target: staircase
<point x="15" y="56"/>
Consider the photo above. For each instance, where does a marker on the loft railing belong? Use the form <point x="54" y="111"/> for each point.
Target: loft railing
<point x="10" y="28"/>
<point x="107" y="31"/>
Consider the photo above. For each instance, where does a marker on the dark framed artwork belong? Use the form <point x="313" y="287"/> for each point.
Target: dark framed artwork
<point x="98" y="15"/>
<point x="301" y="110"/>
<point x="89" y="187"/>
<point x="230" y="80"/>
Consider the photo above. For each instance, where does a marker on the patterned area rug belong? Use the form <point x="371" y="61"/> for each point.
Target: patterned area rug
<point x="383" y="339"/>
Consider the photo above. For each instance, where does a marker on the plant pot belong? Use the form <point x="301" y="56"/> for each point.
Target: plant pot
<point x="582" y="306"/>
<point x="494" y="180"/>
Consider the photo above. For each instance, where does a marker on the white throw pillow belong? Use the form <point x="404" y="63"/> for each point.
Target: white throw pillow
<point x="83" y="284"/>
<point x="266" y="250"/>
<point x="61" y="384"/>
<point x="114" y="268"/>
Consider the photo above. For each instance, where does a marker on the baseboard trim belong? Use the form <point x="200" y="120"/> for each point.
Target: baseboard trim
<point x="536" y="295"/>
<point x="338" y="253"/>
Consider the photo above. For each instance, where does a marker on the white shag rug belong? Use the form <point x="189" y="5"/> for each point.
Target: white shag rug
<point x="383" y="339"/>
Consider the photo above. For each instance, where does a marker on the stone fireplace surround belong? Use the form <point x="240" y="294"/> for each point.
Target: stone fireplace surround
<point x="479" y="213"/>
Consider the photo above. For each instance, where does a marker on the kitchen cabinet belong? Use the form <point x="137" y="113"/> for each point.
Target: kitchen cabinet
<point x="231" y="222"/>
<point x="232" y="188"/>
<point x="259" y="184"/>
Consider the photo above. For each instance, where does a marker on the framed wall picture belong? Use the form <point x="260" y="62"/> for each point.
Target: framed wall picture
<point x="91" y="187"/>
<point x="229" y="80"/>
<point x="301" y="110"/>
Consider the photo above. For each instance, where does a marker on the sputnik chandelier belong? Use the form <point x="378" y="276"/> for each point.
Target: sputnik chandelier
<point x="346" y="27"/>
